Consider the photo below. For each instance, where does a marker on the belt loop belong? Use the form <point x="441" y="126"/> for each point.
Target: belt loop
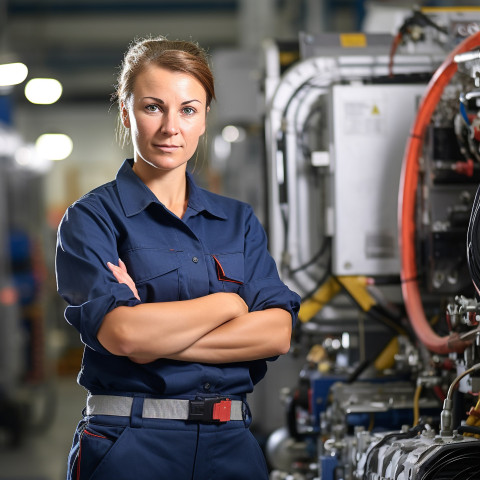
<point x="136" y="415"/>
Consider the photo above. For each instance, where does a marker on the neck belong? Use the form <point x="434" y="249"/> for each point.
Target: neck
<point x="170" y="187"/>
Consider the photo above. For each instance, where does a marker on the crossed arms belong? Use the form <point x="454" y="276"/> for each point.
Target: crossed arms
<point x="216" y="328"/>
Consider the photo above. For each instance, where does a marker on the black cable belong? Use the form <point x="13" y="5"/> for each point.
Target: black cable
<point x="362" y="366"/>
<point x="425" y="20"/>
<point x="315" y="257"/>
<point x="468" y="429"/>
<point x="379" y="314"/>
<point x="301" y="134"/>
<point x="359" y="369"/>
<point x="473" y="243"/>
<point x="420" y="19"/>
<point x="320" y="282"/>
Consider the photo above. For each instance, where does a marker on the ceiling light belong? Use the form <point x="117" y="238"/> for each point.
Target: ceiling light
<point x="43" y="91"/>
<point x="27" y="157"/>
<point x="233" y="134"/>
<point x="12" y="74"/>
<point x="54" y="146"/>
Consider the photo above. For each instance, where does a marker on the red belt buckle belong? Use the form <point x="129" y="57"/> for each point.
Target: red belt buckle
<point x="221" y="410"/>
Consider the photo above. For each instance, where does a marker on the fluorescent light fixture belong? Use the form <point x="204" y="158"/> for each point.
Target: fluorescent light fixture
<point x="12" y="74"/>
<point x="43" y="91"/>
<point x="54" y="146"/>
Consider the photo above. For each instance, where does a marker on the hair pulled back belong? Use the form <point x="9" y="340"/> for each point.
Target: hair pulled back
<point x="174" y="55"/>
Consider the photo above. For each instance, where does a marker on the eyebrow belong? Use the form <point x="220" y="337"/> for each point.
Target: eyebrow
<point x="159" y="100"/>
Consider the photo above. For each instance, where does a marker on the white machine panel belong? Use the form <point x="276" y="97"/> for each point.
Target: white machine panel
<point x="371" y="124"/>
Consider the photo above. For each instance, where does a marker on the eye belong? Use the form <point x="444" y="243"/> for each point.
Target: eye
<point x="152" y="108"/>
<point x="188" y="111"/>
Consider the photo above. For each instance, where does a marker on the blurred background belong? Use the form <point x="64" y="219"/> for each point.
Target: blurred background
<point x="55" y="149"/>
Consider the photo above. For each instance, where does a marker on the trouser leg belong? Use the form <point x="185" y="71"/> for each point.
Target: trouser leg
<point x="102" y="451"/>
<point x="229" y="453"/>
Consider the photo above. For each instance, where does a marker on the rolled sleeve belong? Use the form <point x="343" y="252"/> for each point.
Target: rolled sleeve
<point x="88" y="316"/>
<point x="270" y="292"/>
<point x="263" y="288"/>
<point x="85" y="243"/>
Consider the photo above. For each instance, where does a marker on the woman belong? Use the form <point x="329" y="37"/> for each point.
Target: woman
<point x="173" y="292"/>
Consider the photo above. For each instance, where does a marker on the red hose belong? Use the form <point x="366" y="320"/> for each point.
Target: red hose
<point x="406" y="205"/>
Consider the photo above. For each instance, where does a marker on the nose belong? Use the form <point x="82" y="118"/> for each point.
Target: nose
<point x="169" y="124"/>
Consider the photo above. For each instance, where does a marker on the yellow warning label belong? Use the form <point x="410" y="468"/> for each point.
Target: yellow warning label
<point x="356" y="40"/>
<point x="375" y="110"/>
<point x="287" y="58"/>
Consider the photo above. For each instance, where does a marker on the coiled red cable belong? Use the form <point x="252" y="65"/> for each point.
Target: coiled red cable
<point x="406" y="205"/>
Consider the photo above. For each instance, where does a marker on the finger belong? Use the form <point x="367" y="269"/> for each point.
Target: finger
<point x="111" y="266"/>
<point x="115" y="269"/>
<point x="118" y="276"/>
<point x="122" y="265"/>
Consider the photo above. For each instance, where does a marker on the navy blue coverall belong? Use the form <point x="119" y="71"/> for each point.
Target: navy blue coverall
<point x="219" y="245"/>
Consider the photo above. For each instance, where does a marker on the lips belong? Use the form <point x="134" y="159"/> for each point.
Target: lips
<point x="167" y="148"/>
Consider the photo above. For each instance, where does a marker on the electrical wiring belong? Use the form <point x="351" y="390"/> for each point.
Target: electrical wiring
<point x="454" y="384"/>
<point x="397" y="40"/>
<point x="463" y="110"/>
<point x="320" y="282"/>
<point x="473" y="421"/>
<point x="366" y="302"/>
<point x="418" y="19"/>
<point x="446" y="427"/>
<point x="316" y="256"/>
<point x="475" y="431"/>
<point x="363" y="365"/>
<point x="473" y="250"/>
<point x="286" y="255"/>
<point x="416" y="404"/>
<point x="407" y="205"/>
<point x="378" y="315"/>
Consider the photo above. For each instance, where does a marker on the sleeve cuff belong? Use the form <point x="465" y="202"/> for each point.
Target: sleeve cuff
<point x="87" y="318"/>
<point x="261" y="294"/>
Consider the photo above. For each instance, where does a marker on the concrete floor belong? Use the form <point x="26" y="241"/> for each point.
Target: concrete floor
<point x="43" y="456"/>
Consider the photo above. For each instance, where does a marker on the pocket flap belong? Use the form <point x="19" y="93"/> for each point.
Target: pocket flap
<point x="229" y="267"/>
<point x="146" y="263"/>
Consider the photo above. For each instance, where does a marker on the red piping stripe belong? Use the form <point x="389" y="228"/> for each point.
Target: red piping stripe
<point x="79" y="457"/>
<point x="221" y="274"/>
<point x="93" y="434"/>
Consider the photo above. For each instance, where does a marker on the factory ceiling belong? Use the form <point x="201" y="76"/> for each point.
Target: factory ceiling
<point x="81" y="42"/>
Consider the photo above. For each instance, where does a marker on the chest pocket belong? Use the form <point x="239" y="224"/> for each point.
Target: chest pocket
<point x="155" y="273"/>
<point x="229" y="268"/>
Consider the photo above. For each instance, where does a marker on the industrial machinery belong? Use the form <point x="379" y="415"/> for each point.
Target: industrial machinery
<point x="373" y="150"/>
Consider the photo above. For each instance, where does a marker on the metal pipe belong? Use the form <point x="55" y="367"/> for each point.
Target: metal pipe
<point x="446" y="418"/>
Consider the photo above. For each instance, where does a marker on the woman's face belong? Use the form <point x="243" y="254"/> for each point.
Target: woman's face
<point x="166" y="114"/>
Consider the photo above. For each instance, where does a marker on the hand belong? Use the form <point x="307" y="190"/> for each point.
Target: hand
<point x="121" y="275"/>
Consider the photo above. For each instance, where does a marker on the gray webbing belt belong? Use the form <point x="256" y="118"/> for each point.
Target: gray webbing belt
<point x="209" y="409"/>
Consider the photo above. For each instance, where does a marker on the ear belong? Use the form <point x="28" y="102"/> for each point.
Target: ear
<point x="124" y="115"/>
